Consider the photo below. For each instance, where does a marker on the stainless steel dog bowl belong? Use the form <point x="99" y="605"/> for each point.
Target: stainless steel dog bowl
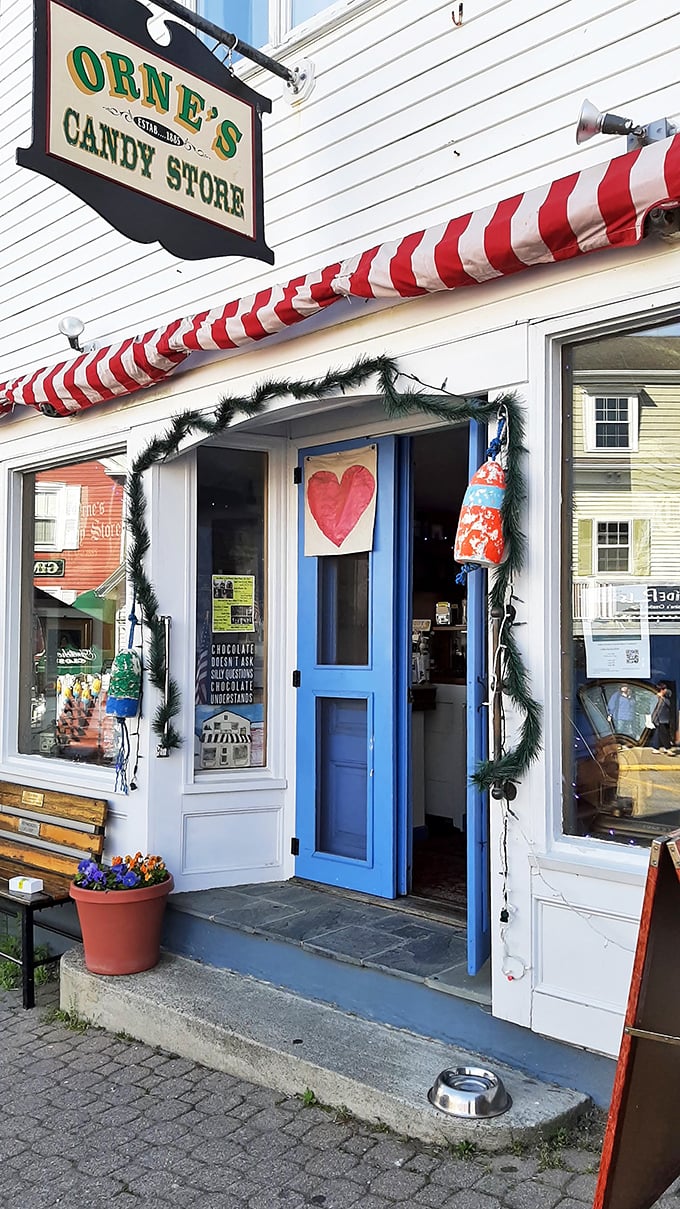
<point x="469" y="1091"/>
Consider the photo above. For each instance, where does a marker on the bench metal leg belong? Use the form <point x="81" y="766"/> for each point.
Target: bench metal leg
<point x="27" y="958"/>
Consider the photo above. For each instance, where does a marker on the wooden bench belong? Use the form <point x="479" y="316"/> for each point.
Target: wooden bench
<point x="43" y="834"/>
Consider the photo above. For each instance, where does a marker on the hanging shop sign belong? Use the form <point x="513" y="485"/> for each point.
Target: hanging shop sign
<point x="340" y="490"/>
<point x="162" y="141"/>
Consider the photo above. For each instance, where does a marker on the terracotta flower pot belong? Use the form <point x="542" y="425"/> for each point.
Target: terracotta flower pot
<point x="121" y="929"/>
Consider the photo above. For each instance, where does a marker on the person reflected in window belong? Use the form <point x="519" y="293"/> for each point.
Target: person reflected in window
<point x="661" y="718"/>
<point x="622" y="711"/>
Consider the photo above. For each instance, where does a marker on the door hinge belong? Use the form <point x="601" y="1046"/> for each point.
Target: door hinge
<point x="297" y="475"/>
<point x="295" y="846"/>
<point x="296" y="678"/>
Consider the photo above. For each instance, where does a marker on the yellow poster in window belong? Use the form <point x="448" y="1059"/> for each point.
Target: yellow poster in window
<point x="233" y="603"/>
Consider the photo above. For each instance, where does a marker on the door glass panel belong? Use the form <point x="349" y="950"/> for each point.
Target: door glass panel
<point x="343" y="610"/>
<point x="342" y="775"/>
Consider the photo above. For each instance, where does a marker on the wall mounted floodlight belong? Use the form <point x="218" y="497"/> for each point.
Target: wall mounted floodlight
<point x="73" y="328"/>
<point x="591" y="121"/>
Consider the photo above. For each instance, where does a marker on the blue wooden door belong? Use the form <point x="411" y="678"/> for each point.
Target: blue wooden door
<point x="347" y="700"/>
<point x="478" y="927"/>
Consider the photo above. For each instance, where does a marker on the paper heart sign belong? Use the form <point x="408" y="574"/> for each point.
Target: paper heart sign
<point x="340" y="496"/>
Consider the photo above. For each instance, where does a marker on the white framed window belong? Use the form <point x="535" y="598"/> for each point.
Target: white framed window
<point x="604" y="547"/>
<point x="262" y="22"/>
<point x="57" y="516"/>
<point x="610" y="423"/>
<point x="612" y="547"/>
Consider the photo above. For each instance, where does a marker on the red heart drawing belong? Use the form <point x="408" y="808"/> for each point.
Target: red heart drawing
<point x="337" y="506"/>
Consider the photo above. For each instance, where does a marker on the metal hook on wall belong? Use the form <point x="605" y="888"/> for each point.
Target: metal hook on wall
<point x="458" y="21"/>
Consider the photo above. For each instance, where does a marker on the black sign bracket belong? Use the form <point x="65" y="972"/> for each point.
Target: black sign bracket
<point x="299" y="79"/>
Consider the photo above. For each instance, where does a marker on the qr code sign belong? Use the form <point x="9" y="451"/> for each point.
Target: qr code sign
<point x="632" y="656"/>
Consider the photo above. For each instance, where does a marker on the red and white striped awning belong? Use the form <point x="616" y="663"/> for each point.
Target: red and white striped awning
<point x="600" y="207"/>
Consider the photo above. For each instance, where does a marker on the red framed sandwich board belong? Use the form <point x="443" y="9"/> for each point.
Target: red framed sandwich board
<point x="641" y="1151"/>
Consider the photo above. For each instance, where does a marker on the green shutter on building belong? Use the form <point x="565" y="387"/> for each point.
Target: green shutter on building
<point x="642" y="547"/>
<point x="584" y="559"/>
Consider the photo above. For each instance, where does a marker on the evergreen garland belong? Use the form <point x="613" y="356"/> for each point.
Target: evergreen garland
<point x="397" y="402"/>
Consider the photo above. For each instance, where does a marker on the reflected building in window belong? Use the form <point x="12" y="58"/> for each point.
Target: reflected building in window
<point x="621" y="617"/>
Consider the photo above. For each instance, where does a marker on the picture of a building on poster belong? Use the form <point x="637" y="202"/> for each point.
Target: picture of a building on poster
<point x="225" y="741"/>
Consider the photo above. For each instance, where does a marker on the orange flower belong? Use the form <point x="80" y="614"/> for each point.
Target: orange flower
<point x="117" y="860"/>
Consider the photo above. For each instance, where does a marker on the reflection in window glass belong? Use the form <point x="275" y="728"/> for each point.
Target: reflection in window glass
<point x="621" y="614"/>
<point x="611" y="423"/>
<point x="613" y="546"/>
<point x="248" y="19"/>
<point x="343" y="609"/>
<point x="230" y="610"/>
<point x="74" y="614"/>
<point x="304" y="9"/>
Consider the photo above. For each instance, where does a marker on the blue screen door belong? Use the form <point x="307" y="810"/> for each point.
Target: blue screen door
<point x="346" y="700"/>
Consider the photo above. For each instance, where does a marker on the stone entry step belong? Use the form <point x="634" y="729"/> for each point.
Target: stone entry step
<point x="272" y="1037"/>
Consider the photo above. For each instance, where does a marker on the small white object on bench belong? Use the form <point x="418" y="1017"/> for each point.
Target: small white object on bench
<point x="25" y="885"/>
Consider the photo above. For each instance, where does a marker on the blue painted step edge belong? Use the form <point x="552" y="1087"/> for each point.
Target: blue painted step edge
<point x="401" y="1002"/>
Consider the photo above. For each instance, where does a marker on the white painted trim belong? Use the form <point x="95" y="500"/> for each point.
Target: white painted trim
<point x="572" y="862"/>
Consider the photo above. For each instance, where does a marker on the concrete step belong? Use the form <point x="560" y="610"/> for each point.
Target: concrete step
<point x="449" y="1007"/>
<point x="275" y="1038"/>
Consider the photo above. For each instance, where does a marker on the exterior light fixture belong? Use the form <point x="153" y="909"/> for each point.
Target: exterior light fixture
<point x="73" y="328"/>
<point x="591" y="121"/>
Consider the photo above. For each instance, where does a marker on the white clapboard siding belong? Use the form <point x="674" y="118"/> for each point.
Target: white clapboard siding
<point x="371" y="155"/>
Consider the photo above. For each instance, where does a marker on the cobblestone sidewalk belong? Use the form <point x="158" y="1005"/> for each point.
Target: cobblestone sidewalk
<point x="90" y="1120"/>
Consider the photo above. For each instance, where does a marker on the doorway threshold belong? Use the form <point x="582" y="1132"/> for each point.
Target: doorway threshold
<point x="408" y="904"/>
<point x="402" y="938"/>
